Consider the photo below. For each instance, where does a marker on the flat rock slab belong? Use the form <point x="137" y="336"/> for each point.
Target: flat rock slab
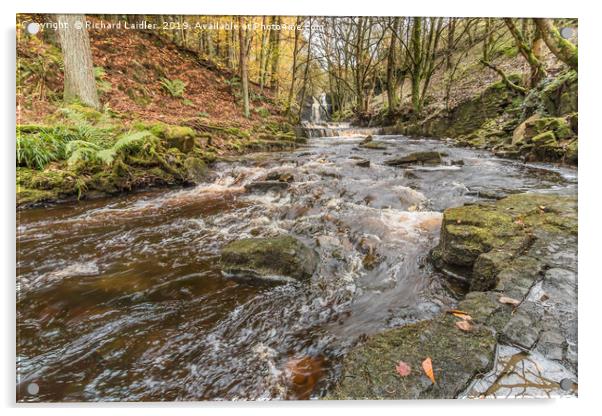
<point x="457" y="356"/>
<point x="373" y="145"/>
<point x="419" y="158"/>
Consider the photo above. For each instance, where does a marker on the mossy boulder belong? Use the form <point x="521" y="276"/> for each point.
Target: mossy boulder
<point x="35" y="186"/>
<point x="543" y="138"/>
<point x="275" y="259"/>
<point x="572" y="152"/>
<point x="477" y="241"/>
<point x="461" y="357"/>
<point x="416" y="158"/>
<point x="536" y="125"/>
<point x="368" y="371"/>
<point x="180" y="137"/>
<point x="196" y="169"/>
<point x="30" y="197"/>
<point x="81" y="111"/>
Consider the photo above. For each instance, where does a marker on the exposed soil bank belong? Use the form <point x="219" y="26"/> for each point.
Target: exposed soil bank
<point x="519" y="258"/>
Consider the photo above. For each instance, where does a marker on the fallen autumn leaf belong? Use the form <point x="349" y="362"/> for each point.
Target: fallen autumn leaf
<point x="427" y="366"/>
<point x="464" y="326"/>
<point x="461" y="314"/>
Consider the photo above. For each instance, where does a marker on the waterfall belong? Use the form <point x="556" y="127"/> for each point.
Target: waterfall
<point x="316" y="116"/>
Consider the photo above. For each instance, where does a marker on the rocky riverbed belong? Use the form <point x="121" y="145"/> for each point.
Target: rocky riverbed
<point x="518" y="259"/>
<point x="190" y="295"/>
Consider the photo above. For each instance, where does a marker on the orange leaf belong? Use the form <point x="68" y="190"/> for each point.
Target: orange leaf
<point x="403" y="369"/>
<point x="464" y="326"/>
<point x="509" y="301"/>
<point x="427" y="366"/>
<point x="461" y="314"/>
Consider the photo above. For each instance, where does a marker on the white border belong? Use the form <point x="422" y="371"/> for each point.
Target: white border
<point x="590" y="203"/>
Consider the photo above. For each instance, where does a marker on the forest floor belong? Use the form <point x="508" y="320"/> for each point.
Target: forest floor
<point x="187" y="107"/>
<point x="130" y="67"/>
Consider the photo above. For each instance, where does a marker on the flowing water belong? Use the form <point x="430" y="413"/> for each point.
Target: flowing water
<point x="124" y="299"/>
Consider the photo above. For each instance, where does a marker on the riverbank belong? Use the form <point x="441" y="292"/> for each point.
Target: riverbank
<point x="167" y="113"/>
<point x="539" y="126"/>
<point x="81" y="153"/>
<point x="515" y="332"/>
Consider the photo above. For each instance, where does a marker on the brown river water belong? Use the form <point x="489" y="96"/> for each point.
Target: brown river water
<point x="123" y="298"/>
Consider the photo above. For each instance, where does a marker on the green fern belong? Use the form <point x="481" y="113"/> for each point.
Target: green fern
<point x="37" y="146"/>
<point x="80" y="150"/>
<point x="175" y="87"/>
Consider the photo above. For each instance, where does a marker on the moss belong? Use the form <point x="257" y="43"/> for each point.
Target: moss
<point x="572" y="152"/>
<point x="457" y="356"/>
<point x="544" y="138"/>
<point x="167" y="131"/>
<point x="180" y="137"/>
<point x="28" y="196"/>
<point x="35" y="186"/>
<point x="263" y="257"/>
<point x="48" y="179"/>
<point x="483" y="239"/>
<point x="196" y="169"/>
<point x="238" y="132"/>
<point x="89" y="114"/>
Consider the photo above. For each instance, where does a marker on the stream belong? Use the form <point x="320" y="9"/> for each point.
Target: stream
<point x="123" y="298"/>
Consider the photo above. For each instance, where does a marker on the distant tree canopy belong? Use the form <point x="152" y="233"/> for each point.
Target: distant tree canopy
<point x="351" y="59"/>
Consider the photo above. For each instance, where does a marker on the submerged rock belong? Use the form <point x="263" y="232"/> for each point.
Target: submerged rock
<point x="302" y="375"/>
<point x="281" y="176"/>
<point x="282" y="258"/>
<point x="265" y="186"/>
<point x="419" y="158"/>
<point x="363" y="163"/>
<point x="373" y="145"/>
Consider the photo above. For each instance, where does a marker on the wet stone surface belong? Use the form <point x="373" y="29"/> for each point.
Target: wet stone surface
<point x="530" y="313"/>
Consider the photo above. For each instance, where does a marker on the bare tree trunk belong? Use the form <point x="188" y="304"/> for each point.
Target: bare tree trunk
<point x="291" y="91"/>
<point x="275" y="56"/>
<point x="537" y="69"/>
<point x="417" y="64"/>
<point x="560" y="47"/>
<point x="77" y="57"/>
<point x="392" y="98"/>
<point x="262" y="54"/>
<point x="306" y="72"/>
<point x="244" y="75"/>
